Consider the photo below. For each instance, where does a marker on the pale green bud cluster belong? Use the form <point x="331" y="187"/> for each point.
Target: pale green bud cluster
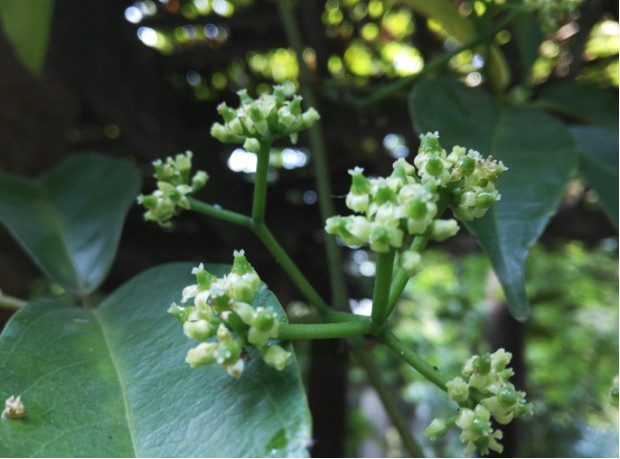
<point x="223" y="318"/>
<point x="488" y="390"/>
<point x="406" y="203"/>
<point x="260" y="121"/>
<point x="174" y="185"/>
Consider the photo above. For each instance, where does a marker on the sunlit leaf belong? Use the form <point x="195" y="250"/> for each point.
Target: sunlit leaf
<point x="598" y="164"/>
<point x="539" y="152"/>
<point x="70" y="220"/>
<point x="112" y="381"/>
<point x="26" y="23"/>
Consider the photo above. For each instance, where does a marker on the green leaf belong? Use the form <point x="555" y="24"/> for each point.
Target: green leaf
<point x="539" y="152"/>
<point x="70" y="220"/>
<point x="112" y="381"/>
<point x="26" y="23"/>
<point x="598" y="164"/>
<point x="583" y="101"/>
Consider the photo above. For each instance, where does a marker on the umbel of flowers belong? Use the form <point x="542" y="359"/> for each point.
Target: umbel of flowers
<point x="257" y="122"/>
<point x="173" y="187"/>
<point x="409" y="200"/>
<point x="485" y="388"/>
<point x="219" y="313"/>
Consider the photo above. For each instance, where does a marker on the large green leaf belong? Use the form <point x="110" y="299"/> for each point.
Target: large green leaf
<point x="26" y="24"/>
<point x="70" y="220"/>
<point x="583" y="101"/>
<point x="598" y="164"/>
<point x="112" y="381"/>
<point x="539" y="152"/>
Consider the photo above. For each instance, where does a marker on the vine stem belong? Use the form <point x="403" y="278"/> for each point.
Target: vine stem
<point x="325" y="331"/>
<point x="400" y="277"/>
<point x="408" y="355"/>
<point x="391" y="407"/>
<point x="383" y="279"/>
<point x="11" y="302"/>
<point x="260" y="182"/>
<point x="319" y="156"/>
<point x="219" y="213"/>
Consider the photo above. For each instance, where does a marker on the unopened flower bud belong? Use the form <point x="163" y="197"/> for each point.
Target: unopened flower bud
<point x="437" y="428"/>
<point x="277" y="357"/>
<point x="443" y="229"/>
<point x="203" y="354"/>
<point x="458" y="390"/>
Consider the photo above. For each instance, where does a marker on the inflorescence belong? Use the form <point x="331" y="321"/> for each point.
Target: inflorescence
<point x="258" y="122"/>
<point x="410" y="200"/>
<point x="173" y="187"/>
<point x="223" y="308"/>
<point x="490" y="393"/>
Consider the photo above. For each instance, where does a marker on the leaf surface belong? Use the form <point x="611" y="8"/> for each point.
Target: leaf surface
<point x="70" y="220"/>
<point x="598" y="164"/>
<point x="112" y="381"/>
<point x="539" y="152"/>
<point x="26" y="24"/>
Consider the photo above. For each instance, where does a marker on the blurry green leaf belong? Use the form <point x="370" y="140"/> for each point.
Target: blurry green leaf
<point x="583" y="101"/>
<point x="70" y="220"/>
<point x="112" y="382"/>
<point x="598" y="164"/>
<point x="528" y="37"/>
<point x="26" y="23"/>
<point x="539" y="152"/>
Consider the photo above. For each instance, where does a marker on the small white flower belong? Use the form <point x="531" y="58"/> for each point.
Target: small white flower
<point x="13" y="408"/>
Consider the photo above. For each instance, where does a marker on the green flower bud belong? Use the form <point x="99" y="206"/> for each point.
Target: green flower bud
<point x="245" y="311"/>
<point x="482" y="364"/>
<point x="265" y="319"/>
<point x="199" y="180"/>
<point x="227" y="353"/>
<point x="277" y="357"/>
<point x="180" y="312"/>
<point x="410" y="261"/>
<point x="508" y="396"/>
<point x="203" y="277"/>
<point x="203" y="354"/>
<point x="458" y="390"/>
<point x="443" y="229"/>
<point x="252" y="145"/>
<point x="244" y="98"/>
<point x="227" y="113"/>
<point x="199" y="330"/>
<point x="429" y="143"/>
<point x="437" y="428"/>
<point x="434" y="167"/>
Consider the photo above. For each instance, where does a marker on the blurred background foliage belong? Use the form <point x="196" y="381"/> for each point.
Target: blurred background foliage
<point x="141" y="79"/>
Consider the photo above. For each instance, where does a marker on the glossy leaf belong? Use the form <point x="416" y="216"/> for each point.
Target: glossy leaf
<point x="70" y="220"/>
<point x="598" y="164"/>
<point x="539" y="152"/>
<point x="112" y="381"/>
<point x="26" y="24"/>
<point x="583" y="101"/>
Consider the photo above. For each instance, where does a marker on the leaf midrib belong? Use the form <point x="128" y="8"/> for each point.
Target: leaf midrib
<point x="121" y="381"/>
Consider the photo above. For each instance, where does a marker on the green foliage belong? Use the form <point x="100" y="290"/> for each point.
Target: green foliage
<point x="70" y="220"/>
<point x="26" y="24"/>
<point x="111" y="381"/>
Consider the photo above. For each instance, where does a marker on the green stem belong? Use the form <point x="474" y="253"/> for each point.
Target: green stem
<point x="383" y="279"/>
<point x="268" y="239"/>
<point x="427" y="370"/>
<point x="319" y="156"/>
<point x="391" y="407"/>
<point x="260" y="182"/>
<point x="324" y="331"/>
<point x="400" y="278"/>
<point x="219" y="213"/>
<point x="10" y="302"/>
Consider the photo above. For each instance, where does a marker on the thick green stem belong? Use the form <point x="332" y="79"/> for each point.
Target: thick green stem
<point x="260" y="182"/>
<point x="391" y="407"/>
<point x="383" y="279"/>
<point x="426" y="369"/>
<point x="324" y="331"/>
<point x="400" y="277"/>
<point x="10" y="302"/>
<point x="267" y="238"/>
<point x="319" y="156"/>
<point x="219" y="213"/>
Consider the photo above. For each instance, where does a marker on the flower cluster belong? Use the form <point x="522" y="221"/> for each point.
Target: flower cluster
<point x="222" y="309"/>
<point x="406" y="202"/>
<point x="494" y="396"/>
<point x="262" y="120"/>
<point x="13" y="408"/>
<point x="173" y="187"/>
